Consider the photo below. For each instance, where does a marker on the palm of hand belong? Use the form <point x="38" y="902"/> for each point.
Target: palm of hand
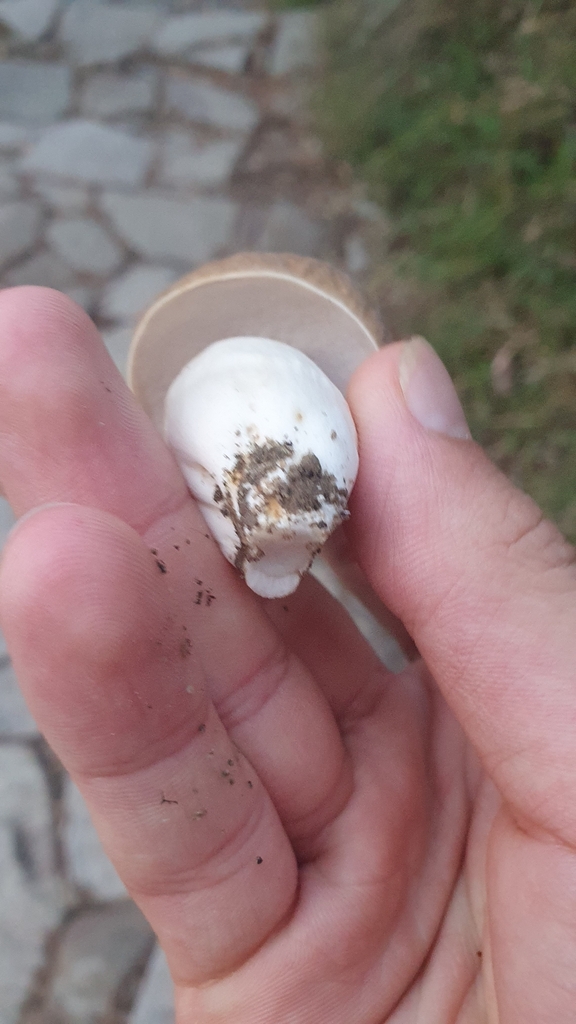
<point x="311" y="837"/>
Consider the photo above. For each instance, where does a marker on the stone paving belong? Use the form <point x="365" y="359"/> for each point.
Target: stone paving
<point x="137" y="140"/>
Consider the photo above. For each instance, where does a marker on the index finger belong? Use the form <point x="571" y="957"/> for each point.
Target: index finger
<point x="66" y="413"/>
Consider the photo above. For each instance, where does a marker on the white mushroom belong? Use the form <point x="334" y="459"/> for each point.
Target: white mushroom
<point x="267" y="445"/>
<point x="243" y="366"/>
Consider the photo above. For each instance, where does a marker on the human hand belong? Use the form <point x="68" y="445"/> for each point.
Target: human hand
<point x="312" y="838"/>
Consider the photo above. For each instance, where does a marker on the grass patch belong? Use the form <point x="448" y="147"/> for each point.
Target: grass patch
<point x="461" y="117"/>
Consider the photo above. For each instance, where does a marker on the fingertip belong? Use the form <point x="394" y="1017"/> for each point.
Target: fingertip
<point x="30" y="314"/>
<point x="69" y="425"/>
<point x="69" y="571"/>
<point x="391" y="446"/>
<point x="430" y="512"/>
<point x="96" y="639"/>
<point x="29" y="556"/>
<point x="29" y="299"/>
<point x="412" y="379"/>
<point x="377" y="381"/>
<point x="22" y="536"/>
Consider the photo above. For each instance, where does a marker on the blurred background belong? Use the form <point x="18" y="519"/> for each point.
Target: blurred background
<point x="425" y="146"/>
<point x="461" y="117"/>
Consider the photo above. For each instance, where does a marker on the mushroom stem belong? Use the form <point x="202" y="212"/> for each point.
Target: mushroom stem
<point x="267" y="445"/>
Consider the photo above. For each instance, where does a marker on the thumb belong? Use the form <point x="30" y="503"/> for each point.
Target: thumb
<point x="484" y="584"/>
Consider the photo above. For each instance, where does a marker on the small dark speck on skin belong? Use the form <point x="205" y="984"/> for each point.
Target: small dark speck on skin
<point x="185" y="647"/>
<point x="285" y="607"/>
<point x="154" y="551"/>
<point x="176" y="547"/>
<point x="224" y="774"/>
<point x="202" y="728"/>
<point x="162" y="566"/>
<point x="207" y="535"/>
<point x="334" y="435"/>
<point x="231" y="781"/>
<point x="259" y="860"/>
<point x="250" y="785"/>
<point x="165" y="801"/>
<point x="149" y="706"/>
<point x="230" y="762"/>
<point x="198" y="583"/>
<point x="479" y="953"/>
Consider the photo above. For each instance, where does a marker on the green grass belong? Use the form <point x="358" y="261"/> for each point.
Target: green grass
<point x="461" y="117"/>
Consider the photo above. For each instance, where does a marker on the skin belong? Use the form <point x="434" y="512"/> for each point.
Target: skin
<point x="312" y="838"/>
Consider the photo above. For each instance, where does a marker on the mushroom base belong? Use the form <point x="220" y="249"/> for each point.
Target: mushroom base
<point x="272" y="561"/>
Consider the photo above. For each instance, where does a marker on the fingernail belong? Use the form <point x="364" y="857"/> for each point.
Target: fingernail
<point x="428" y="390"/>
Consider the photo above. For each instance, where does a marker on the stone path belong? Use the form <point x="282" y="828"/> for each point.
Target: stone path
<point x="136" y="141"/>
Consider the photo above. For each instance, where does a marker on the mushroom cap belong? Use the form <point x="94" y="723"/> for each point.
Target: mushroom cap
<point x="302" y="302"/>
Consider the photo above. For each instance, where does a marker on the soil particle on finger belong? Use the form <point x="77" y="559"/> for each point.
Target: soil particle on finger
<point x="185" y="647"/>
